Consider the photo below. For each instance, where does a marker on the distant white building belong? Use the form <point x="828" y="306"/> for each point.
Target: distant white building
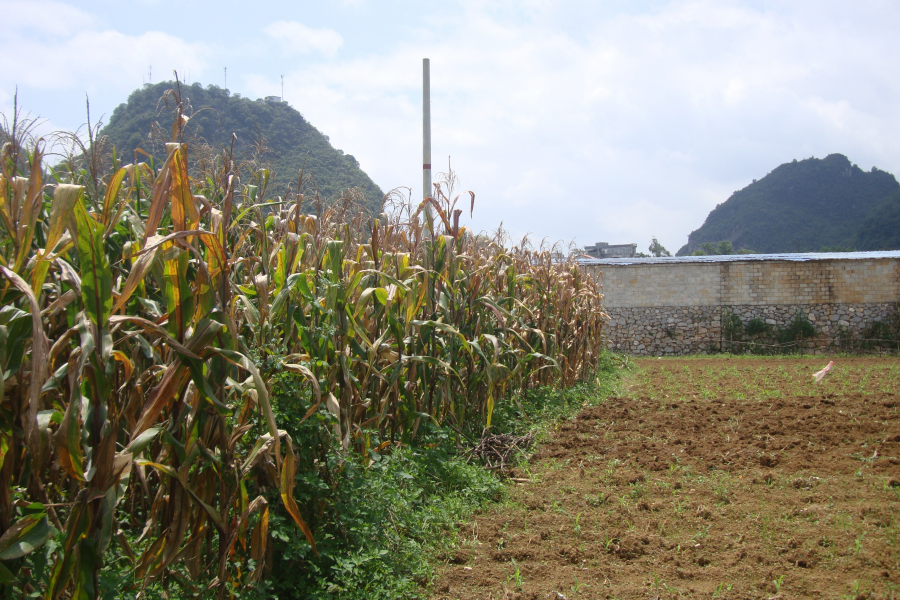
<point x="604" y="250"/>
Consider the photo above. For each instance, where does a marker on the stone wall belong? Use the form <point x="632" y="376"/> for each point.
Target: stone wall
<point x="675" y="330"/>
<point x="660" y="308"/>
<point x="663" y="330"/>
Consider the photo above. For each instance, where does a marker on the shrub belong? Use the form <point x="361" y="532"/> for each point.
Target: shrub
<point x="800" y="328"/>
<point x="757" y="326"/>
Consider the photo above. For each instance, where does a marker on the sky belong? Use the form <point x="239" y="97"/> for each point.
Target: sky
<point x="580" y="121"/>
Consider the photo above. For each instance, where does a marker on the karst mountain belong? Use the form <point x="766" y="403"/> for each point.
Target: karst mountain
<point x="808" y="206"/>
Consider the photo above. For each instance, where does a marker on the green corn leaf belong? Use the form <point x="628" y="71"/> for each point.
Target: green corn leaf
<point x="247" y="210"/>
<point x="140" y="443"/>
<point x="68" y="437"/>
<point x="336" y="259"/>
<point x="204" y="386"/>
<point x="17" y="327"/>
<point x="390" y="278"/>
<point x="25" y="536"/>
<point x="179" y="300"/>
<point x="55" y="379"/>
<point x="304" y="287"/>
<point x="379" y="293"/>
<point x="431" y="360"/>
<point x="258" y="451"/>
<point x="282" y="297"/>
<point x="96" y="277"/>
<point x="242" y="361"/>
<point x="443" y="327"/>
<point x="6" y="576"/>
<point x="76" y="526"/>
<point x="45" y="417"/>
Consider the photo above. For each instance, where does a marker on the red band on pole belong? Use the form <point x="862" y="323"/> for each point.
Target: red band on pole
<point x="426" y="167"/>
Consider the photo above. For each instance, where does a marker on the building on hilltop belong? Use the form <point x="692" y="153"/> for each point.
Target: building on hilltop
<point x="604" y="250"/>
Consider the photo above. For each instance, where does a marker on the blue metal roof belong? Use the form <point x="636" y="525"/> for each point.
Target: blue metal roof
<point x="798" y="257"/>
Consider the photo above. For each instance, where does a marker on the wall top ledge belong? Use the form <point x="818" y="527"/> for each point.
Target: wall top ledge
<point x="798" y="257"/>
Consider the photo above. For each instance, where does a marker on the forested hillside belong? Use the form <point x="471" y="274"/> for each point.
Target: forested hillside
<point x="272" y="133"/>
<point x="805" y="206"/>
<point x="881" y="229"/>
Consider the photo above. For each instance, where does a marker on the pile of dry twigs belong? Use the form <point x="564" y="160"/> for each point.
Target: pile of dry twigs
<point x="497" y="450"/>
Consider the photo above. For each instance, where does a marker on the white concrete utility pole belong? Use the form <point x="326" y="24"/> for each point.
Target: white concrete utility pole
<point x="426" y="135"/>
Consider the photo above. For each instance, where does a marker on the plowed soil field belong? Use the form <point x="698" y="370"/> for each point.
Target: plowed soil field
<point x="706" y="478"/>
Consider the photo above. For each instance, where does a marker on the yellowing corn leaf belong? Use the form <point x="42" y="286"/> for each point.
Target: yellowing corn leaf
<point x="39" y="352"/>
<point x="287" y="494"/>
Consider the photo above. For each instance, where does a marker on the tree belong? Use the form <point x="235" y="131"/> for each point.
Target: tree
<point x="657" y="249"/>
<point x="722" y="248"/>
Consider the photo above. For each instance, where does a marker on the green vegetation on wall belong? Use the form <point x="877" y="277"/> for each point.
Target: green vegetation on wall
<point x="758" y="337"/>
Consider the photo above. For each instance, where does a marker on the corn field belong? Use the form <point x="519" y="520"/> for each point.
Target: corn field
<point x="145" y="310"/>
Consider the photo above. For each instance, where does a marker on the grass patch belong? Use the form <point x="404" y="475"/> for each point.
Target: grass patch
<point x="542" y="409"/>
<point x="381" y="526"/>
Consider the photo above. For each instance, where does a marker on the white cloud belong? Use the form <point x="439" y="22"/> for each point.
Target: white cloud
<point x="299" y="38"/>
<point x="97" y="58"/>
<point x="636" y="128"/>
<point x="45" y="17"/>
<point x="55" y="53"/>
<point x="599" y="121"/>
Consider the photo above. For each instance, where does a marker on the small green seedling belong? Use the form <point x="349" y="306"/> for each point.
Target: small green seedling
<point x="722" y="587"/>
<point x="576" y="589"/>
<point x="516" y="577"/>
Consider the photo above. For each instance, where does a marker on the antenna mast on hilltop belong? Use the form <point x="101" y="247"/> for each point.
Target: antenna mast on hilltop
<point x="225" y="69"/>
<point x="150" y="75"/>
<point x="426" y="135"/>
<point x="282" y="88"/>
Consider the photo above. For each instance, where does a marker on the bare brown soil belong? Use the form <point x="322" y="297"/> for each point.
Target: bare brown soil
<point x="728" y="478"/>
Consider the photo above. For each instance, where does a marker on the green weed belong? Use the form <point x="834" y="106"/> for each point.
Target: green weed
<point x="778" y="583"/>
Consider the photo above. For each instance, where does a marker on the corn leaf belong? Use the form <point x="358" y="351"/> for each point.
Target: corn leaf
<point x="96" y="277"/>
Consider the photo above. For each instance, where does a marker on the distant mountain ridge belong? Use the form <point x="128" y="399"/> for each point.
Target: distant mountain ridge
<point x="290" y="141"/>
<point x="805" y="206"/>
